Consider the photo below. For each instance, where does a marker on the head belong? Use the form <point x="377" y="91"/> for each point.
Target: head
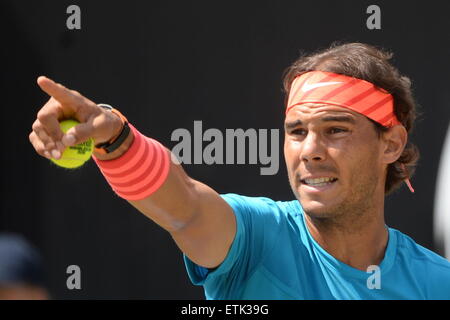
<point x="21" y="270"/>
<point x="365" y="159"/>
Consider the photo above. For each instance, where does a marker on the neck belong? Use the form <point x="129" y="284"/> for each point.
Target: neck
<point x="358" y="241"/>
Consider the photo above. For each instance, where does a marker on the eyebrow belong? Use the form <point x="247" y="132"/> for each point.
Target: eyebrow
<point x="293" y="124"/>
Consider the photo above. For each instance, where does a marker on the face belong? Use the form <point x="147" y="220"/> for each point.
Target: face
<point x="333" y="160"/>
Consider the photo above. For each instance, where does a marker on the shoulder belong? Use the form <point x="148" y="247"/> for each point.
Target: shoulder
<point x="259" y="223"/>
<point x="432" y="268"/>
<point x="262" y="206"/>
<point x="415" y="251"/>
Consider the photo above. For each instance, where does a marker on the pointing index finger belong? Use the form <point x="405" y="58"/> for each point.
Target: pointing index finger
<point x="56" y="90"/>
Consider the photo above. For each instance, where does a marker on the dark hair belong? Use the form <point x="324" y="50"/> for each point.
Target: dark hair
<point x="20" y="262"/>
<point x="372" y="64"/>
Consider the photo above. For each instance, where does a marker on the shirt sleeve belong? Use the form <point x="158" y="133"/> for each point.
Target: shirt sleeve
<point x="258" y="222"/>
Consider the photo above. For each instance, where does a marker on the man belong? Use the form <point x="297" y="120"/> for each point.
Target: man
<point x="21" y="270"/>
<point x="348" y="115"/>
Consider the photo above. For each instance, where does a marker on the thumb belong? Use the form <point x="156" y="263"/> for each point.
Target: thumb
<point x="77" y="134"/>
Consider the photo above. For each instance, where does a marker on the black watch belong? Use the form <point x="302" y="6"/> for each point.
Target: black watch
<point x="110" y="146"/>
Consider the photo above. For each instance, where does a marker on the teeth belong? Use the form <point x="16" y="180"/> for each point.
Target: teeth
<point x="319" y="180"/>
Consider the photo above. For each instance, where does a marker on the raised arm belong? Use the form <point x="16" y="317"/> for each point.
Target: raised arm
<point x="199" y="220"/>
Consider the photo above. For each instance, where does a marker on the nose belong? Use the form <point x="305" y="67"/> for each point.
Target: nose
<point x="312" y="148"/>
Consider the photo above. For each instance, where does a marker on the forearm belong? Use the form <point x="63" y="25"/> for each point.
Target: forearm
<point x="172" y="205"/>
<point x="199" y="220"/>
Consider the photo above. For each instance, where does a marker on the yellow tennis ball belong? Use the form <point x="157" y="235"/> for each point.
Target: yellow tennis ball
<point x="74" y="156"/>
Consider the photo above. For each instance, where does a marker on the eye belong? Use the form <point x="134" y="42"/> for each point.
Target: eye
<point x="337" y="130"/>
<point x="298" y="131"/>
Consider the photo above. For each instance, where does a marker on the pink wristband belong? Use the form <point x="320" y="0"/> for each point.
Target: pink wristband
<point x="140" y="171"/>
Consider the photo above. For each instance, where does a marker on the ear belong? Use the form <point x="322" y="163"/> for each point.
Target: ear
<point x="395" y="140"/>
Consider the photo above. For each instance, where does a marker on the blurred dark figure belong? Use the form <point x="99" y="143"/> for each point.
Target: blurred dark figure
<point x="21" y="270"/>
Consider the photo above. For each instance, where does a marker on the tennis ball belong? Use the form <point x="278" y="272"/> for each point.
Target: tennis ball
<point x="74" y="156"/>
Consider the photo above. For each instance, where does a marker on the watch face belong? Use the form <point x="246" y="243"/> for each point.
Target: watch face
<point x="105" y="106"/>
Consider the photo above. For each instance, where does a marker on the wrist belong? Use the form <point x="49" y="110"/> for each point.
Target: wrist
<point x="112" y="121"/>
<point x="124" y="146"/>
<point x="117" y="124"/>
<point x="121" y="131"/>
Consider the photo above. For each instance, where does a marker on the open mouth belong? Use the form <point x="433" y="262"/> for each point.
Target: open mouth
<point x="319" y="182"/>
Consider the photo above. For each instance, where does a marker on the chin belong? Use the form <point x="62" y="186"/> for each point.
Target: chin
<point x="318" y="209"/>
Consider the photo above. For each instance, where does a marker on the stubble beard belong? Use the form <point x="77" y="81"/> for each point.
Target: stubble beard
<point x="351" y="213"/>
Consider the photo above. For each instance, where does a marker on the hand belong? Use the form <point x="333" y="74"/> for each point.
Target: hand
<point x="95" y="122"/>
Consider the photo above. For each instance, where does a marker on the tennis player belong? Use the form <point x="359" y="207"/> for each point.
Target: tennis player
<point x="348" y="115"/>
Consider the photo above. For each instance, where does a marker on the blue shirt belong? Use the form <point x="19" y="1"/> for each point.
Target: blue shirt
<point x="273" y="256"/>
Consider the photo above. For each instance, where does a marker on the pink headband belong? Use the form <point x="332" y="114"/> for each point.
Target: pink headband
<point x="352" y="93"/>
<point x="348" y="92"/>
